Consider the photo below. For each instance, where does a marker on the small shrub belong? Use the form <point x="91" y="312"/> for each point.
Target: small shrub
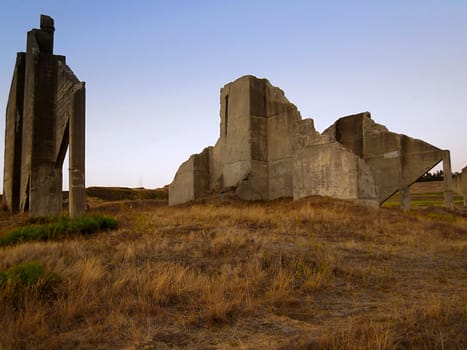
<point x="63" y="226"/>
<point x="28" y="277"/>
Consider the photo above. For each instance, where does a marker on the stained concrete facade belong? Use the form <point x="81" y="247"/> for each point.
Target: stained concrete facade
<point x="267" y="151"/>
<point x="45" y="114"/>
<point x="324" y="167"/>
<point x="396" y="161"/>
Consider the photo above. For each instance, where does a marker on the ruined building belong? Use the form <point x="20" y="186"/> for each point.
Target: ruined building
<point x="267" y="151"/>
<point x="45" y="113"/>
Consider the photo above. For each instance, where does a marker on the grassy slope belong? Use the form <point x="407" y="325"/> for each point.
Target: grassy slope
<point x="316" y="273"/>
<point x="424" y="194"/>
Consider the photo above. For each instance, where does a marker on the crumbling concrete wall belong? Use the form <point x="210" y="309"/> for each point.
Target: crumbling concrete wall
<point x="47" y="109"/>
<point x="258" y="153"/>
<point x="272" y="122"/>
<point x="396" y="160"/>
<point x="192" y="179"/>
<point x="254" y="151"/>
<point x="324" y="167"/>
<point x="266" y="151"/>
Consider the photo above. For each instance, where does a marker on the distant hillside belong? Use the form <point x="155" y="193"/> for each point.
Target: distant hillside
<point x="124" y="193"/>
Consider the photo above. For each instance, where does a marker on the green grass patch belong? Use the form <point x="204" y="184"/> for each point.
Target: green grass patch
<point x="61" y="227"/>
<point x="28" y="277"/>
<point x="431" y="199"/>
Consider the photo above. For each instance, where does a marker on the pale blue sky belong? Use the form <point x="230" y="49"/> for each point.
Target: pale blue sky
<point x="153" y="70"/>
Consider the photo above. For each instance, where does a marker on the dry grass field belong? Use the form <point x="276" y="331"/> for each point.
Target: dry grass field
<point x="424" y="194"/>
<point x="228" y="274"/>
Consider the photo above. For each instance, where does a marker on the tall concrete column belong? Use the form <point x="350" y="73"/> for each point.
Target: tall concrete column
<point x="77" y="154"/>
<point x="464" y="185"/>
<point x="404" y="184"/>
<point x="41" y="181"/>
<point x="13" y="137"/>
<point x="448" y="183"/>
<point x="404" y="192"/>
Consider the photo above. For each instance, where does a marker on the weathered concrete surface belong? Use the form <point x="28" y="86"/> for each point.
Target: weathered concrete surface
<point x="13" y="137"/>
<point x="324" y="167"/>
<point x="266" y="151"/>
<point x="460" y="184"/>
<point x="47" y="104"/>
<point x="192" y="179"/>
<point x="448" y="182"/>
<point x="259" y="152"/>
<point x="396" y="160"/>
<point x="254" y="150"/>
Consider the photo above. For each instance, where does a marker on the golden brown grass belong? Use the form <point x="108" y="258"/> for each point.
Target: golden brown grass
<point x="316" y="273"/>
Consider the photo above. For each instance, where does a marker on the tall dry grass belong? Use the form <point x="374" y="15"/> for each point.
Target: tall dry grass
<point x="311" y="274"/>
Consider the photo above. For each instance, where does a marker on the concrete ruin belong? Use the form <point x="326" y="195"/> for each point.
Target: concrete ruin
<point x="267" y="151"/>
<point x="45" y="113"/>
<point x="396" y="160"/>
<point x="460" y="184"/>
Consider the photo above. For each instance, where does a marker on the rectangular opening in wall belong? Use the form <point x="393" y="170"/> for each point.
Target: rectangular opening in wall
<point x="226" y="114"/>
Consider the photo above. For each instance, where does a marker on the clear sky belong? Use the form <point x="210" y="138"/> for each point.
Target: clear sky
<point x="153" y="70"/>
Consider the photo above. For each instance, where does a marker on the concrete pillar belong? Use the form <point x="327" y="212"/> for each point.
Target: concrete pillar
<point x="41" y="179"/>
<point x="464" y="185"/>
<point x="13" y="137"/>
<point x="404" y="182"/>
<point x="77" y="155"/>
<point x="404" y="192"/>
<point x="448" y="183"/>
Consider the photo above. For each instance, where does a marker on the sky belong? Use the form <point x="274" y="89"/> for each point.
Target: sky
<point x="154" y="70"/>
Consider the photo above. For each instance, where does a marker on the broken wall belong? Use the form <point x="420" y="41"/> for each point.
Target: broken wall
<point x="326" y="168"/>
<point x="272" y="122"/>
<point x="257" y="152"/>
<point x="396" y="160"/>
<point x="234" y="141"/>
<point x="266" y="151"/>
<point x="192" y="178"/>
